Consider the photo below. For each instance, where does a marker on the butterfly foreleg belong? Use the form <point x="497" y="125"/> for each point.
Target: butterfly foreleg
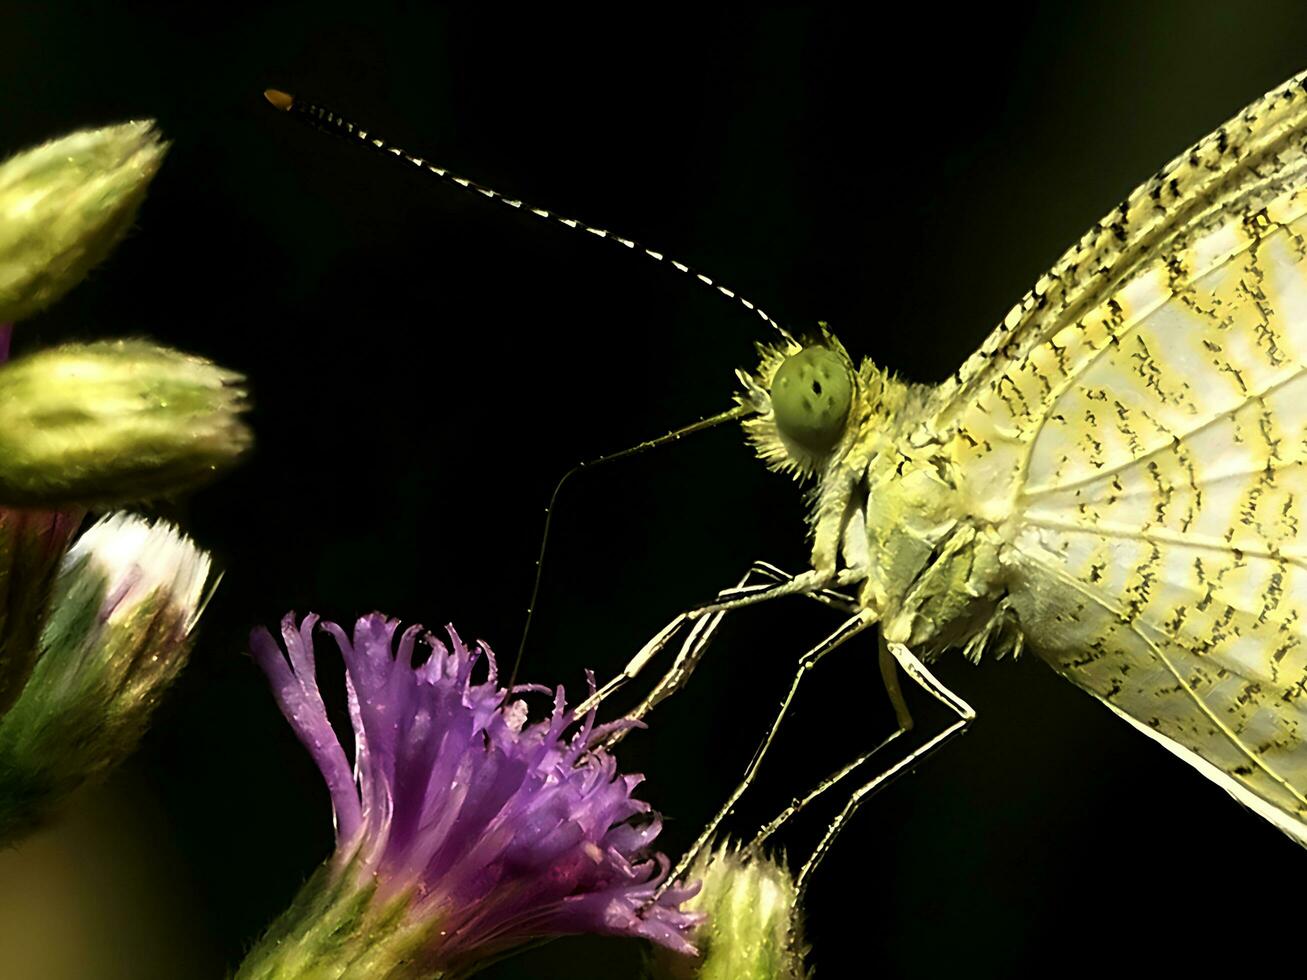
<point x="916" y="670"/>
<point x="701" y="634"/>
<point x="704" y="630"/>
<point x="811" y="582"/>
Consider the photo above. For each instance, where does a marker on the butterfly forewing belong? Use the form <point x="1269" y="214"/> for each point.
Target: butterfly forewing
<point x="1140" y="424"/>
<point x="1237" y="169"/>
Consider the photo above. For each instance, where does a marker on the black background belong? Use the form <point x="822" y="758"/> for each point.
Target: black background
<point x="425" y="364"/>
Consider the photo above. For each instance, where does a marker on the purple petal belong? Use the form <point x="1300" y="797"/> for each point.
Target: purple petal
<point x="298" y="697"/>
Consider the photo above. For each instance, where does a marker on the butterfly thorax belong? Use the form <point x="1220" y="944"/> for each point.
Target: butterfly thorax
<point x="932" y="565"/>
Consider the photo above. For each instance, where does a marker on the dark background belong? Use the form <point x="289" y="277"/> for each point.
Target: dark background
<point x="425" y="365"/>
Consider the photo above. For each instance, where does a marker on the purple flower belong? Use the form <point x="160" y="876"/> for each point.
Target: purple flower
<point x="483" y="829"/>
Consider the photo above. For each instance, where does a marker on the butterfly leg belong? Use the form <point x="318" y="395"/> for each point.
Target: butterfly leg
<point x="704" y="630"/>
<point x="916" y="670"/>
<point x="692" y="648"/>
<point x="889" y="674"/>
<point x="799" y="803"/>
<point x="850" y="628"/>
<point x="811" y="582"/>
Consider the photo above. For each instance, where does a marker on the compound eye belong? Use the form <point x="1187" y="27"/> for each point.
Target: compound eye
<point x="810" y="396"/>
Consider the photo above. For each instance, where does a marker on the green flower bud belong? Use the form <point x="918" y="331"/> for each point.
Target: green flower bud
<point x="63" y="207"/>
<point x="114" y="421"/>
<point x="31" y="544"/>
<point x="125" y="601"/>
<point x="753" y="930"/>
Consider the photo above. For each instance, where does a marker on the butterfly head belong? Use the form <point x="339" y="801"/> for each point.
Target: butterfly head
<point x="808" y="398"/>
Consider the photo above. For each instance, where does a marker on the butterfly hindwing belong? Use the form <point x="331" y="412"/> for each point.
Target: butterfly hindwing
<point x="1138" y="425"/>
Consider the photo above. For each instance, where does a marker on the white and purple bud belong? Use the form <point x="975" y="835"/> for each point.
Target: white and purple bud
<point x="123" y="606"/>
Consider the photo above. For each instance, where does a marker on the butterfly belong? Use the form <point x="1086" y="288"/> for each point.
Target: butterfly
<point x="1130" y="447"/>
<point x="1116" y="481"/>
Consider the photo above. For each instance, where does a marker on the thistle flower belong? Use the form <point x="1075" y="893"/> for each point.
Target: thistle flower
<point x="125" y="600"/>
<point x="753" y="928"/>
<point x="64" y="205"/>
<point x="462" y="830"/>
<point x="114" y="421"/>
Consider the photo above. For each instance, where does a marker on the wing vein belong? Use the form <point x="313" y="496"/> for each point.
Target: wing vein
<point x="1202" y="705"/>
<point x="1031" y="493"/>
<point x="1161" y="536"/>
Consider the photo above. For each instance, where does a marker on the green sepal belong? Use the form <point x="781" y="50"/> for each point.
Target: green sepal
<point x="337" y="929"/>
<point x="31" y="544"/>
<point x="89" y="696"/>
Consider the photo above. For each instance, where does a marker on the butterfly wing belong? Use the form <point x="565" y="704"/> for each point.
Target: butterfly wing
<point x="1137" y="426"/>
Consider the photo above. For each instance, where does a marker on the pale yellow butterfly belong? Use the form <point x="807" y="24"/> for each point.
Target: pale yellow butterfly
<point x="1116" y="480"/>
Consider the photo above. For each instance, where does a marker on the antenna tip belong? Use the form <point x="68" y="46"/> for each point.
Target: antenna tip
<point x="279" y="99"/>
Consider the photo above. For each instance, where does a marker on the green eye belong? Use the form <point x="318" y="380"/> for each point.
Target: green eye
<point x="810" y="396"/>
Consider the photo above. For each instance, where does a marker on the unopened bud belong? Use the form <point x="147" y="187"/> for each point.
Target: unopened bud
<point x="753" y="926"/>
<point x="63" y="207"/>
<point x="125" y="601"/>
<point x="113" y="422"/>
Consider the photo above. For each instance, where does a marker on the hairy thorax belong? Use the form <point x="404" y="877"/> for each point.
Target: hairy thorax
<point x="934" y="574"/>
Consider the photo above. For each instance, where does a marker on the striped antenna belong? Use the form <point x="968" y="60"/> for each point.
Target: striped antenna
<point x="325" y="119"/>
<point x="330" y="122"/>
